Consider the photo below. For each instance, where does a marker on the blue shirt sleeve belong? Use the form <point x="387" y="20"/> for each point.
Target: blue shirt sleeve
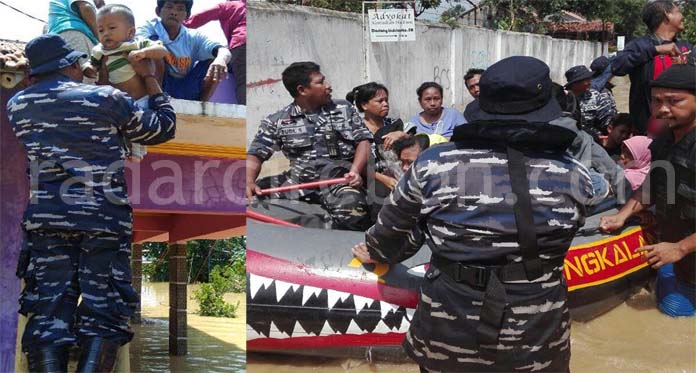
<point x="145" y="31"/>
<point x="458" y="118"/>
<point x="202" y="46"/>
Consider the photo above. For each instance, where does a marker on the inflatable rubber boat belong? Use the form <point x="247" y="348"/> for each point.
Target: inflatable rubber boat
<point x="307" y="294"/>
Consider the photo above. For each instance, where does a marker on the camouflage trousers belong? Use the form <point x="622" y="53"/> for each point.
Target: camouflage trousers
<point x="347" y="206"/>
<point x="64" y="265"/>
<point x="534" y="335"/>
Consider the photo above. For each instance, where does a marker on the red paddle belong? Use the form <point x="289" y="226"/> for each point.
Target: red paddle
<point x="314" y="184"/>
<point x="268" y="219"/>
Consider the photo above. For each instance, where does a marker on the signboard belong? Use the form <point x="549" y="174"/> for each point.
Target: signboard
<point x="392" y="25"/>
<point x="620" y="42"/>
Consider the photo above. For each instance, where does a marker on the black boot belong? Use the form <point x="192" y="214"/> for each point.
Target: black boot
<point x="48" y="360"/>
<point x="97" y="355"/>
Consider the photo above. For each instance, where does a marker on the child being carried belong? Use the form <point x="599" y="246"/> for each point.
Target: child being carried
<point x="111" y="58"/>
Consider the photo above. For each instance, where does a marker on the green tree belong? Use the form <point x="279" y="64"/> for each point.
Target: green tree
<point x="527" y="15"/>
<point x="157" y="270"/>
<point x="522" y="15"/>
<point x="625" y="14"/>
<point x="689" y="9"/>
<point x="202" y="255"/>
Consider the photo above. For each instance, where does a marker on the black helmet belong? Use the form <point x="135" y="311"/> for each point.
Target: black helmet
<point x="189" y="4"/>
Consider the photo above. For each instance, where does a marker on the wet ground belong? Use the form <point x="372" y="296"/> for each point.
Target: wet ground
<point x="634" y="337"/>
<point x="214" y="344"/>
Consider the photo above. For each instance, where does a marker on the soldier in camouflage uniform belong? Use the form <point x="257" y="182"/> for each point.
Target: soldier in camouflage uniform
<point x="598" y="109"/>
<point x="78" y="221"/>
<point x="323" y="139"/>
<point x="498" y="207"/>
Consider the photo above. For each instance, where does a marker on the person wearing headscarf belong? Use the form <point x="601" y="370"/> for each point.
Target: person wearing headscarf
<point x="635" y="157"/>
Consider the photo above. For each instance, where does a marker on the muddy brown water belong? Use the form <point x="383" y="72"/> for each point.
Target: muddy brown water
<point x="633" y="337"/>
<point x="214" y="344"/>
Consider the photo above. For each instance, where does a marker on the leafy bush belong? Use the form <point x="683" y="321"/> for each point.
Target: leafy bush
<point x="211" y="302"/>
<point x="689" y="10"/>
<point x="223" y="279"/>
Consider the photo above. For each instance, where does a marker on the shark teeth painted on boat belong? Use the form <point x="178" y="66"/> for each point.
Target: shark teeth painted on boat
<point x="317" y="311"/>
<point x="308" y="291"/>
<point x="334" y="296"/>
<point x="385" y="308"/>
<point x="256" y="281"/>
<point x="327" y="330"/>
<point x="253" y="334"/>
<point x="276" y="333"/>
<point x="281" y="288"/>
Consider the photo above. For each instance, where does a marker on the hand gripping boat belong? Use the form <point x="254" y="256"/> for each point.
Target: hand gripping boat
<point x="306" y="294"/>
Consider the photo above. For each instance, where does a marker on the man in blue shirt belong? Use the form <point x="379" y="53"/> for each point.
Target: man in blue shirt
<point x="78" y="223"/>
<point x="195" y="64"/>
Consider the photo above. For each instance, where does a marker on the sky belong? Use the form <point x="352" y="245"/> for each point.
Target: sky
<point x="16" y="26"/>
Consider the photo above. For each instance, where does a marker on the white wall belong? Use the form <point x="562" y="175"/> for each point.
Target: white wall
<point x="281" y="34"/>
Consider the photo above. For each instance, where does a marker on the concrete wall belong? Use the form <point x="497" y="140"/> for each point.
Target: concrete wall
<point x="281" y="34"/>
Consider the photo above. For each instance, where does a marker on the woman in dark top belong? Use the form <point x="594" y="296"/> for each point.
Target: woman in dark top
<point x="372" y="99"/>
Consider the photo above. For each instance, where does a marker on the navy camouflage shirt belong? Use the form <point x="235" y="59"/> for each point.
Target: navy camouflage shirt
<point x="74" y="135"/>
<point x="462" y="198"/>
<point x="598" y="109"/>
<point x="302" y="137"/>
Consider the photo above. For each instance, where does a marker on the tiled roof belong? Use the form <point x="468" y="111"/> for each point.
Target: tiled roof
<point x="12" y="56"/>
<point x="593" y="26"/>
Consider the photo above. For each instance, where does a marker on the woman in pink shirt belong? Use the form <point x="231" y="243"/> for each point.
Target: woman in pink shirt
<point x="232" y="18"/>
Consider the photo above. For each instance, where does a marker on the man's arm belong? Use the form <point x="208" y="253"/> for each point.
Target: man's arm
<point x="397" y="236"/>
<point x="88" y="14"/>
<point x="668" y="252"/>
<point x="200" y="19"/>
<point x="217" y="71"/>
<point x="155" y="52"/>
<point x="638" y="53"/>
<point x="218" y="68"/>
<point x="362" y="153"/>
<point x="253" y="168"/>
<point x="261" y="149"/>
<point x="362" y="137"/>
<point x="600" y="82"/>
<point x="148" y="127"/>
<point x="610" y="223"/>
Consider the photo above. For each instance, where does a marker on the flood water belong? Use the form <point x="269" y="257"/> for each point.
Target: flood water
<point x="633" y="337"/>
<point x="214" y="344"/>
